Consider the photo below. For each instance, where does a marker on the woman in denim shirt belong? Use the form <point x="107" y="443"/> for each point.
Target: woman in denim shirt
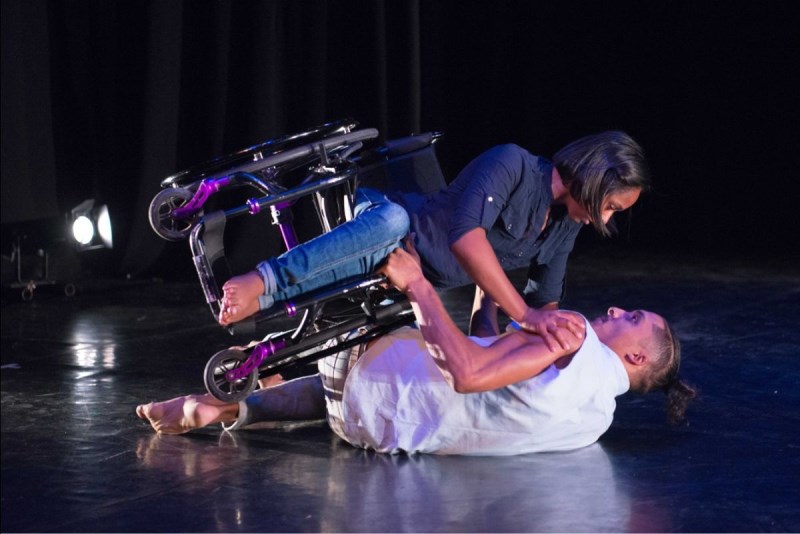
<point x="507" y="209"/>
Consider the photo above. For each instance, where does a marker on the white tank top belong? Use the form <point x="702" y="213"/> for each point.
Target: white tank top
<point x="396" y="400"/>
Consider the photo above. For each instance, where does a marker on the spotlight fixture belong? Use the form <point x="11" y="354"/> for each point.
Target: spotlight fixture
<point x="91" y="226"/>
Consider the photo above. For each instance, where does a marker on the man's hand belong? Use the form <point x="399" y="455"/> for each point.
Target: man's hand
<point x="559" y="329"/>
<point x="402" y="267"/>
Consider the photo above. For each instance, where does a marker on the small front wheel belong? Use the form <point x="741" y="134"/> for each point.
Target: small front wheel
<point x="70" y="289"/>
<point x="160" y="214"/>
<point x="219" y="386"/>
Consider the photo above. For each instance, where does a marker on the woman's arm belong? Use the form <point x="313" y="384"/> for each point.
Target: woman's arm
<point x="467" y="366"/>
<point x="483" y="319"/>
<point x="476" y="256"/>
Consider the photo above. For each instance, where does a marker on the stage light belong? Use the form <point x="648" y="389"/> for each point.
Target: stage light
<point x="91" y="226"/>
<point x="83" y="230"/>
<point x="104" y="227"/>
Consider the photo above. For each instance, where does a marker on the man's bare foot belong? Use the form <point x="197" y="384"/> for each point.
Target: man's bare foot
<point x="182" y="414"/>
<point x="270" y="381"/>
<point x="240" y="297"/>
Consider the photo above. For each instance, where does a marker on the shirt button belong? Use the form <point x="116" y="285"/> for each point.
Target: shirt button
<point x="490" y="199"/>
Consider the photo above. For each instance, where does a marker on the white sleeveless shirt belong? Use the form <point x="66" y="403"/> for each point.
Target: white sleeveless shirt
<point x="396" y="400"/>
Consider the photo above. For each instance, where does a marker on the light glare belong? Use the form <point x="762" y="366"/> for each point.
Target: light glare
<point x="83" y="230"/>
<point x="104" y="227"/>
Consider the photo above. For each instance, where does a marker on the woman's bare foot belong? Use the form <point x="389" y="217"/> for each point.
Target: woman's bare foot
<point x="240" y="297"/>
<point x="182" y="414"/>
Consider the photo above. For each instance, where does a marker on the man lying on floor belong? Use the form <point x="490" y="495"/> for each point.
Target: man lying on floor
<point x="434" y="390"/>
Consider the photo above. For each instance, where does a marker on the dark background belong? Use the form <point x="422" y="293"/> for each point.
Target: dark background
<point x="104" y="98"/>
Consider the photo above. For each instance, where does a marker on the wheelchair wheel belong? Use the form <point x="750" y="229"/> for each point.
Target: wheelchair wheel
<point x="216" y="383"/>
<point x="161" y="208"/>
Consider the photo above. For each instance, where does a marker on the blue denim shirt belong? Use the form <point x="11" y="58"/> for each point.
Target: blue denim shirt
<point x="506" y="190"/>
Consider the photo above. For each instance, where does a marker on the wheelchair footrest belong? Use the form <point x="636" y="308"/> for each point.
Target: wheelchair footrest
<point x="349" y="289"/>
<point x="301" y="352"/>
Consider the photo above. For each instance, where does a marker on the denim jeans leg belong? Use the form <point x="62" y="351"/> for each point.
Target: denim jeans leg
<point x="297" y="399"/>
<point x="352" y="249"/>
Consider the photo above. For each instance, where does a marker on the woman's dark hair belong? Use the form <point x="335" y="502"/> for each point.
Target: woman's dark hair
<point x="664" y="374"/>
<point x="599" y="165"/>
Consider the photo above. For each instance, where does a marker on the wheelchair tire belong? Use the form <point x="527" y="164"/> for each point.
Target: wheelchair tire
<point x="216" y="383"/>
<point x="70" y="289"/>
<point x="162" y="206"/>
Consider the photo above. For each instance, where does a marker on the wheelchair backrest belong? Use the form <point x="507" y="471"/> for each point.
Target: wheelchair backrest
<point x="408" y="164"/>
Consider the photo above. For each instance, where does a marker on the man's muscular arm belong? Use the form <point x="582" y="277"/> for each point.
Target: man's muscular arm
<point x="467" y="366"/>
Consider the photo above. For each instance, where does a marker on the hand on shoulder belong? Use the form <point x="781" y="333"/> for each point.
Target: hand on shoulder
<point x="560" y="329"/>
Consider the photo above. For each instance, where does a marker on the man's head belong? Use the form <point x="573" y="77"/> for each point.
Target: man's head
<point x="650" y="352"/>
<point x="644" y="342"/>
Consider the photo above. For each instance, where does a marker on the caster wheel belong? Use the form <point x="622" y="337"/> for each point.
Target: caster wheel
<point x="70" y="290"/>
<point x="216" y="383"/>
<point x="162" y="206"/>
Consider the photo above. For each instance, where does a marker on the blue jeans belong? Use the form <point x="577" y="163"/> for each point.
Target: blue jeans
<point x="352" y="249"/>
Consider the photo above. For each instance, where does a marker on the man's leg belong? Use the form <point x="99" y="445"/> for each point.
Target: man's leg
<point x="300" y="399"/>
<point x="352" y="249"/>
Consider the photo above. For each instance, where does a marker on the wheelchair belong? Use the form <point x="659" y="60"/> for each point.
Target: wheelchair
<point x="326" y="163"/>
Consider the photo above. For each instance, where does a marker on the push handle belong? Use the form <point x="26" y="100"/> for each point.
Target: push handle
<point x="316" y="148"/>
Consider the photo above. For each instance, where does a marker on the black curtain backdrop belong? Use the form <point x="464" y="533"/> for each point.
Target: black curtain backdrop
<point x="104" y="98"/>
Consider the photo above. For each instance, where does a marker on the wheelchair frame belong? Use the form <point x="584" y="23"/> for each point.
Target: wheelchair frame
<point x="331" y="152"/>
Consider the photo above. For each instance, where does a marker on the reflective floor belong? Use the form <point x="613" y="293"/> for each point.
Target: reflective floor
<point x="75" y="458"/>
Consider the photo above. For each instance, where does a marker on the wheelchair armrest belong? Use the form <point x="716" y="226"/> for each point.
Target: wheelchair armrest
<point x="404" y="145"/>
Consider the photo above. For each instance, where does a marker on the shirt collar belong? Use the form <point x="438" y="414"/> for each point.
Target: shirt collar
<point x="623" y="383"/>
<point x="545" y="169"/>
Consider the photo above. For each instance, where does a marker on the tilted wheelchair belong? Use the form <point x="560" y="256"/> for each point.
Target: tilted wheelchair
<point x="327" y="164"/>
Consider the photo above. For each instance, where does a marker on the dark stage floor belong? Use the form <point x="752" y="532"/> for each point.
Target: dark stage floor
<point x="75" y="458"/>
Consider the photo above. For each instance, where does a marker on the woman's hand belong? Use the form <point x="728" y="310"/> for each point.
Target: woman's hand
<point x="559" y="329"/>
